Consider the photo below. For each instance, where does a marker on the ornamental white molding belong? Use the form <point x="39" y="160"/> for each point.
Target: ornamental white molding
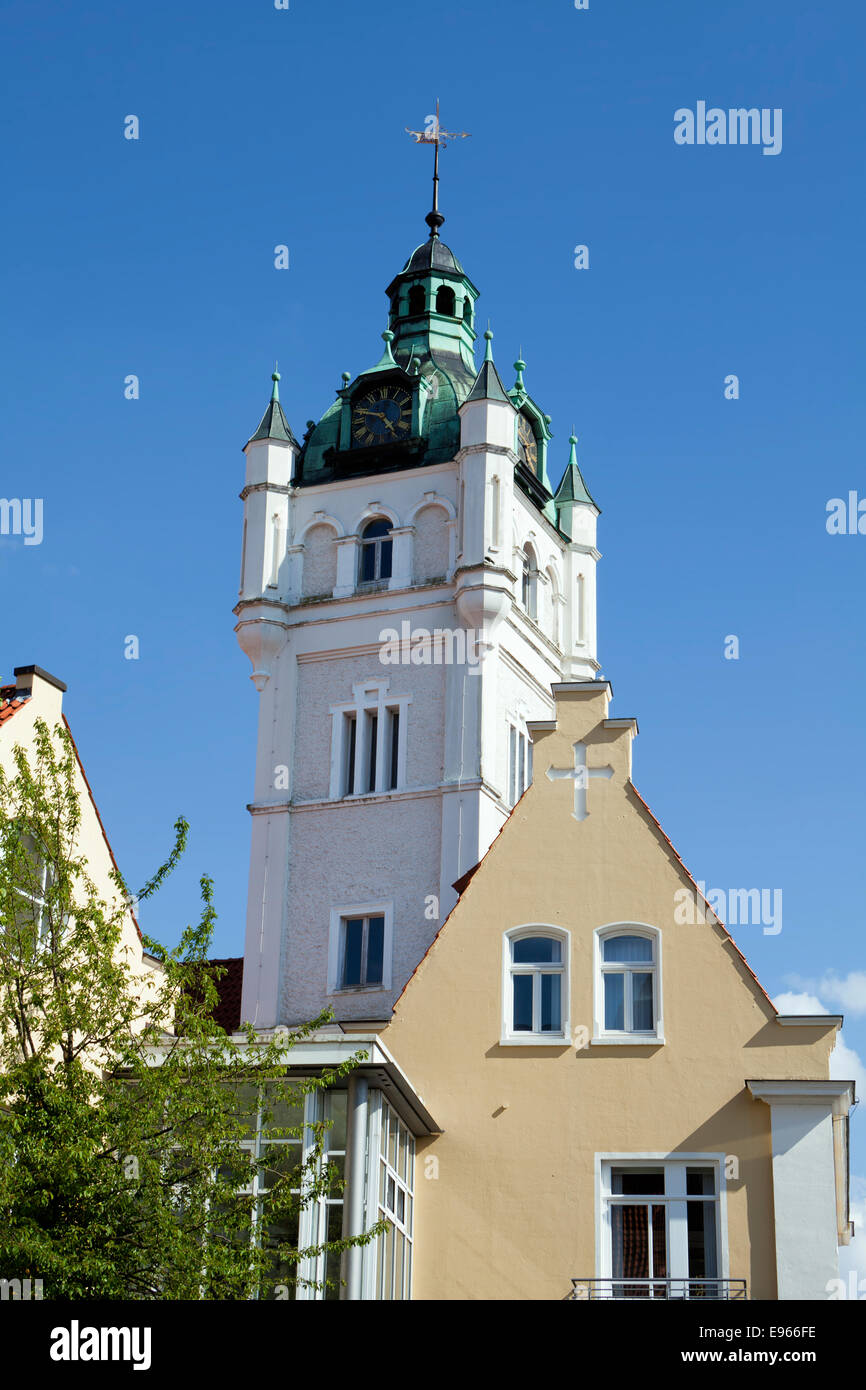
<point x="433" y="499"/>
<point x="323" y="519"/>
<point x="374" y="509"/>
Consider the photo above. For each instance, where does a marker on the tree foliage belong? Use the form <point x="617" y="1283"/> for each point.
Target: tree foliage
<point x="144" y="1153"/>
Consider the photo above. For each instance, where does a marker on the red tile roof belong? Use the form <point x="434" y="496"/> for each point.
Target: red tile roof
<point x="228" y="1011"/>
<point x="9" y="703"/>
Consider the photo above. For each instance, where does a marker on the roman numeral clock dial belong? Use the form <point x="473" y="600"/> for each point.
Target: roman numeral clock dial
<point x="527" y="443"/>
<point x="381" y="416"/>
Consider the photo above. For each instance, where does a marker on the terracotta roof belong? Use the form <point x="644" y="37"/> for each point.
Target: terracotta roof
<point x="9" y="703"/>
<point x="228" y="1011"/>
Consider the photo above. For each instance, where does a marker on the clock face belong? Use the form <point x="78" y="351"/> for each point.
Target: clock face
<point x="381" y="416"/>
<point x="527" y="446"/>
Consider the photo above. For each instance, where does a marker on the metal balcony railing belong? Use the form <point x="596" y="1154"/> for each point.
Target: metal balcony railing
<point x="672" y="1290"/>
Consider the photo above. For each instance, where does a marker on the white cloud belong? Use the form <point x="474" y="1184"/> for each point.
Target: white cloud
<point x="848" y="991"/>
<point x="845" y="1063"/>
<point x="845" y="992"/>
<point x="791" y="1003"/>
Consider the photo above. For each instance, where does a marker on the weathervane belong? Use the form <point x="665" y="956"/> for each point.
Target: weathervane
<point x="434" y="135"/>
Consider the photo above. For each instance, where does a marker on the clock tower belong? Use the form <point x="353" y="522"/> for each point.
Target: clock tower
<point x="410" y="588"/>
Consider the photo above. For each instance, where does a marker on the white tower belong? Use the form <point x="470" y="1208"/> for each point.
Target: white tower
<point x="410" y="589"/>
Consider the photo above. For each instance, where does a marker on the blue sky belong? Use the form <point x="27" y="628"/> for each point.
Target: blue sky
<point x="258" y="127"/>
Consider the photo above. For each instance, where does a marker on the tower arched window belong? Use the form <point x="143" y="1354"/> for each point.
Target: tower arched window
<point x="528" y="582"/>
<point x="467" y="311"/>
<point x="417" y="300"/>
<point x="554" y="604"/>
<point x="376" y="547"/>
<point x="445" y="301"/>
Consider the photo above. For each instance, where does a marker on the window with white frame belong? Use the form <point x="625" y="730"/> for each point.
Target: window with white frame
<point x="535" y="985"/>
<point x="394" y="1198"/>
<point x="662" y="1228"/>
<point x="628" y="984"/>
<point x="368" y="754"/>
<point x="519" y="762"/>
<point x="363" y="951"/>
<point x="375" y="551"/>
<point x="360" y="947"/>
<point x="30" y="876"/>
<point x="319" y="1219"/>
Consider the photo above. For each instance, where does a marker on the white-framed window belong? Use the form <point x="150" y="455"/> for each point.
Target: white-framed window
<point x="390" y="1194"/>
<point x="535" y="985"/>
<point x="360" y="947"/>
<point x="369" y="742"/>
<point x="375" y="551"/>
<point x="662" y="1225"/>
<point x="265" y="1158"/>
<point x="32" y="876"/>
<point x="322" y="1220"/>
<point x="519" y="762"/>
<point x="628" y="984"/>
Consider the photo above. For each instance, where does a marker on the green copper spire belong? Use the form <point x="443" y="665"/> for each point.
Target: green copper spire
<point x="572" y="488"/>
<point x="274" y="424"/>
<point x="488" y="384"/>
<point x="386" y="362"/>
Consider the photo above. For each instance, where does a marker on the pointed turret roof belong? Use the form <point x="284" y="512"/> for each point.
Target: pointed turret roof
<point x="572" y="488"/>
<point x="274" y="424"/>
<point x="488" y="384"/>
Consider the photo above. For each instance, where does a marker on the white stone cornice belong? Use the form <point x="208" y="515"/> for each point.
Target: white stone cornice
<point x="281" y="489"/>
<point x="837" y="1096"/>
<point x="485" y="449"/>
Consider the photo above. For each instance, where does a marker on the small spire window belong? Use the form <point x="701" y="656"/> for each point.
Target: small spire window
<point x="445" y="301"/>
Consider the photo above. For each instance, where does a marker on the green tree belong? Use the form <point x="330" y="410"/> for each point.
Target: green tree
<point x="144" y="1153"/>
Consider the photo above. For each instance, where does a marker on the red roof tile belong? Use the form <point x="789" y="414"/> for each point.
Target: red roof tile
<point x="228" y="1011"/>
<point x="9" y="703"/>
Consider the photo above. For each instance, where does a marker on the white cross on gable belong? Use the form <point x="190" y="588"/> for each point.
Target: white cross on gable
<point x="580" y="775"/>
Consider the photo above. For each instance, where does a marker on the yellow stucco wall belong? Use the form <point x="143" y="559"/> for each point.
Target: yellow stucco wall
<point x="512" y="1213"/>
<point x="46" y="702"/>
